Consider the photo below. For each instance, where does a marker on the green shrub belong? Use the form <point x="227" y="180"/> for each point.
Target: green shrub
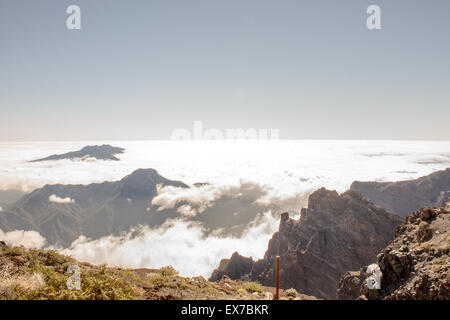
<point x="414" y="245"/>
<point x="291" y="293"/>
<point x="13" y="251"/>
<point x="427" y="247"/>
<point x="447" y="249"/>
<point x="252" y="287"/>
<point x="439" y="261"/>
<point x="168" y="271"/>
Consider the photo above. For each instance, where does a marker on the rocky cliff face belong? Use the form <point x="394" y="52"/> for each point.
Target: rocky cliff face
<point x="233" y="268"/>
<point x="404" y="197"/>
<point x="334" y="234"/>
<point x="415" y="265"/>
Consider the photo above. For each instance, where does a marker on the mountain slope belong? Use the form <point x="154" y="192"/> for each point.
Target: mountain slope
<point x="404" y="197"/>
<point x="42" y="274"/>
<point x="93" y="210"/>
<point x="333" y="233"/>
<point x="62" y="213"/>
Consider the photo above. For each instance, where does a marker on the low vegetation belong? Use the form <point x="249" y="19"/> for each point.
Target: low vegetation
<point x="291" y="293"/>
<point x="29" y="274"/>
<point x="252" y="287"/>
<point x="38" y="274"/>
<point x="439" y="261"/>
<point x="168" y="271"/>
<point x="414" y="245"/>
<point x="427" y="247"/>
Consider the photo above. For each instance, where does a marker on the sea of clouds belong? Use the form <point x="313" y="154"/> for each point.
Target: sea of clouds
<point x="181" y="244"/>
<point x="285" y="167"/>
<point x="286" y="170"/>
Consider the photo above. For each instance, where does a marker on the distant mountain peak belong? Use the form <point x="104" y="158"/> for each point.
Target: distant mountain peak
<point x="142" y="173"/>
<point x="102" y="152"/>
<point x="144" y="182"/>
<point x="149" y="176"/>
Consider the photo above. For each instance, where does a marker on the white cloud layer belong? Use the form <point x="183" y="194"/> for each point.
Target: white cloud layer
<point x="178" y="243"/>
<point x="56" y="199"/>
<point x="28" y="239"/>
<point x="168" y="197"/>
<point x="286" y="168"/>
<point x="198" y="198"/>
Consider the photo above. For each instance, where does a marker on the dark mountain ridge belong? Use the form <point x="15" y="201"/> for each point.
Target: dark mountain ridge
<point x="95" y="210"/>
<point x="404" y="197"/>
<point x="62" y="213"/>
<point x="103" y="152"/>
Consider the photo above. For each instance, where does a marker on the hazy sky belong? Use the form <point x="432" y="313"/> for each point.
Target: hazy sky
<point x="140" y="69"/>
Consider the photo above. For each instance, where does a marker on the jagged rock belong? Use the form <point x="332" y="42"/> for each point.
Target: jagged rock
<point x="233" y="268"/>
<point x="353" y="285"/>
<point x="397" y="262"/>
<point x="424" y="232"/>
<point x="332" y="234"/>
<point x="225" y="278"/>
<point x="350" y="285"/>
<point x="404" y="197"/>
<point x="412" y="269"/>
<point x="3" y="245"/>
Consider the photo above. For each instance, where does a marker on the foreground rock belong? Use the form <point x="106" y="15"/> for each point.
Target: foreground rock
<point x="404" y="197"/>
<point x="233" y="268"/>
<point x="415" y="265"/>
<point x="335" y="233"/>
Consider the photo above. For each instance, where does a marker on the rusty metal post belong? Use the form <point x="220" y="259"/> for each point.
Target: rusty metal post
<point x="277" y="294"/>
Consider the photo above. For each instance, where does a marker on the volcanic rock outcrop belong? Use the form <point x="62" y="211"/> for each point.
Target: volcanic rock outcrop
<point x="233" y="268"/>
<point x="404" y="197"/>
<point x="336" y="233"/>
<point x="414" y="266"/>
